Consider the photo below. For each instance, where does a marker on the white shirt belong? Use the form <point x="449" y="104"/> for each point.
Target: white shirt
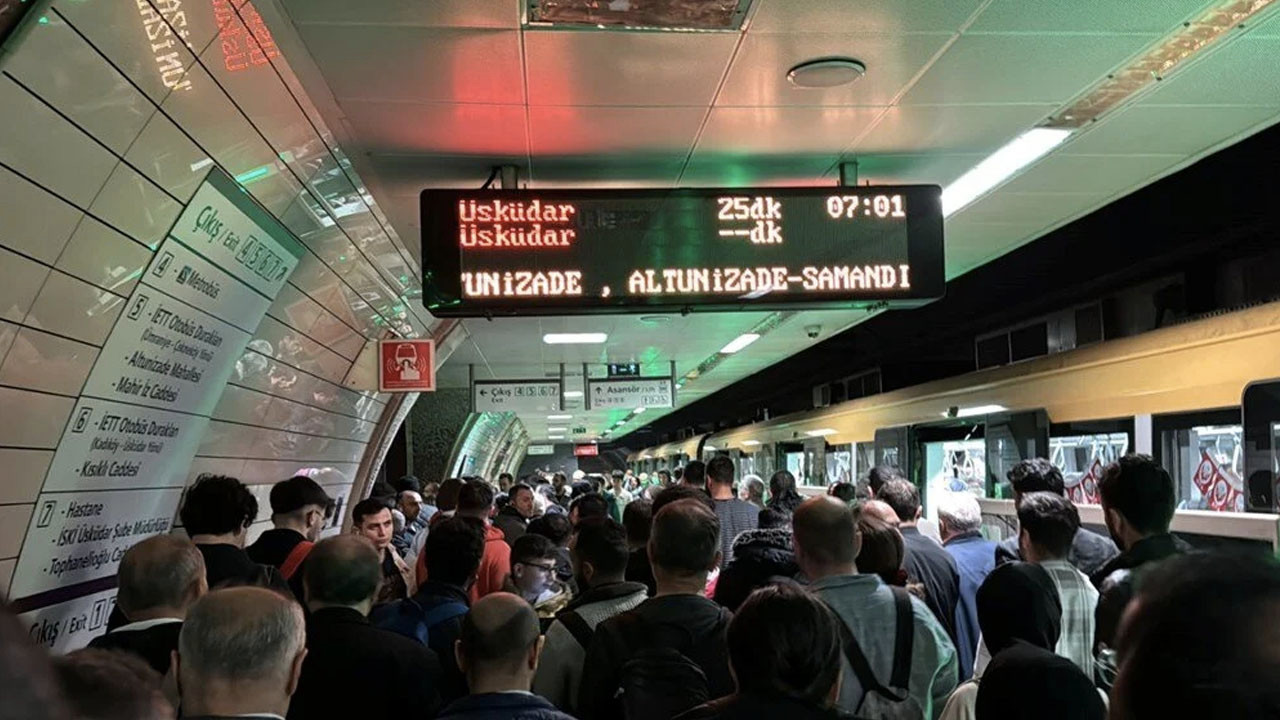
<point x="144" y="624"/>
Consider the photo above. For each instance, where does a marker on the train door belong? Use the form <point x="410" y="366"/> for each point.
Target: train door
<point x="792" y="457"/>
<point x="1261" y="409"/>
<point x="893" y="448"/>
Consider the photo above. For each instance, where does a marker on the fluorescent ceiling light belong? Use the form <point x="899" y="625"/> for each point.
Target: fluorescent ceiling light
<point x="750" y="443"/>
<point x="708" y="448"/>
<point x="977" y="410"/>
<point x="557" y="430"/>
<point x="559" y="417"/>
<point x="739" y="343"/>
<point x="820" y="432"/>
<point x="575" y="338"/>
<point x="1000" y="166"/>
<point x="639" y="410"/>
<point x="555" y="437"/>
<point x="573" y="393"/>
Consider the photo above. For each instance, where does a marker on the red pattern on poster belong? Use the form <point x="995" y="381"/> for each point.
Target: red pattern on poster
<point x="1086" y="489"/>
<point x="1221" y="490"/>
<point x="245" y="38"/>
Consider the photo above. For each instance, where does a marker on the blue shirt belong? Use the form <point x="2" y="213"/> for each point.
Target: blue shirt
<point x="975" y="558"/>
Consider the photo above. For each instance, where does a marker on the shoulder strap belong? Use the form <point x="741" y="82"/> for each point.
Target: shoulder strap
<point x="902" y="638"/>
<point x="858" y="662"/>
<point x="294" y="559"/>
<point x="577" y="627"/>
<point x="442" y="612"/>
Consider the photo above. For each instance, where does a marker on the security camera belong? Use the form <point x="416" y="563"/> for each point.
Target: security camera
<point x="813" y="331"/>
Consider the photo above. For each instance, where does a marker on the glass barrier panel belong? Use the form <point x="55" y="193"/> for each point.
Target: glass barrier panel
<point x="1081" y="459"/>
<point x="1207" y="464"/>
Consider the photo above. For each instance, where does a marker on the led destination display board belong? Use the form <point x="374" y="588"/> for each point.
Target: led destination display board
<point x="564" y="252"/>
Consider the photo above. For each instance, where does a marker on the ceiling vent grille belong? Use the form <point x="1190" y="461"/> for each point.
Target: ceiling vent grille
<point x="1059" y="332"/>
<point x="674" y="15"/>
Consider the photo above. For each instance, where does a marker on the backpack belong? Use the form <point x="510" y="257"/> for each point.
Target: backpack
<point x="294" y="559"/>
<point x="892" y="702"/>
<point x="411" y="620"/>
<point x="660" y="680"/>
<point x="577" y="627"/>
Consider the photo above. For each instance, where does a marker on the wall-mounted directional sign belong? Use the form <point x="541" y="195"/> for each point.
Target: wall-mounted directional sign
<point x="516" y="395"/>
<point x="631" y="393"/>
<point x="541" y="450"/>
<point x="624" y="370"/>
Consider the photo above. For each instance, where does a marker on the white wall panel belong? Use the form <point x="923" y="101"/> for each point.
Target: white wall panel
<point x="40" y="422"/>
<point x="100" y="255"/>
<point x="23" y="472"/>
<point x="136" y="206"/>
<point x="20" y="281"/>
<point x="36" y="223"/>
<point x="52" y="364"/>
<point x="75" y="309"/>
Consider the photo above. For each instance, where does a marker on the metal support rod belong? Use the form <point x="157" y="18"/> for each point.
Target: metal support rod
<point x="849" y="173"/>
<point x="586" y="389"/>
<point x="561" y="408"/>
<point x="471" y="386"/>
<point x="509" y="177"/>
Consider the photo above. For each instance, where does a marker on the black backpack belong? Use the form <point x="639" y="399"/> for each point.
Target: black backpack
<point x="663" y="677"/>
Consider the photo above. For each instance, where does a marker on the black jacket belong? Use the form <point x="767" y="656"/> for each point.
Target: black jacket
<point x="502" y="706"/>
<point x="930" y="564"/>
<point x="1115" y="582"/>
<point x="741" y="706"/>
<point x="442" y="635"/>
<point x="272" y="548"/>
<point x="353" y="670"/>
<point x="758" y="556"/>
<point x="153" y="644"/>
<point x="1089" y="551"/>
<point x="698" y="621"/>
<point x="639" y="570"/>
<point x="227" y="565"/>
<point x="511" y="523"/>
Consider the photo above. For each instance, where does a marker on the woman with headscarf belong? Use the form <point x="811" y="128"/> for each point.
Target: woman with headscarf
<point x="783" y="495"/>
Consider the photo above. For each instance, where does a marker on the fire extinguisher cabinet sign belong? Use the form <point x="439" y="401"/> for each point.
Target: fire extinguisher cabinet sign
<point x="406" y="365"/>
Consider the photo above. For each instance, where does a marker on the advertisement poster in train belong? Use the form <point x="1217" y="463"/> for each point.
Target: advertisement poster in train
<point x="124" y="456"/>
<point x="406" y="365"/>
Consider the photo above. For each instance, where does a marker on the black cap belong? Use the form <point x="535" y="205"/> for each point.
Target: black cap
<point x="296" y="493"/>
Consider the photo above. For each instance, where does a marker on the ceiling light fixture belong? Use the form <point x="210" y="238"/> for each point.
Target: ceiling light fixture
<point x="555" y="437"/>
<point x="750" y="443"/>
<point x="575" y="339"/>
<point x="826" y="72"/>
<point x="976" y="410"/>
<point x="820" y="432"/>
<point x="559" y="417"/>
<point x="573" y="393"/>
<point x="739" y="343"/>
<point x="557" y="430"/>
<point x="1000" y="166"/>
<point x="639" y="410"/>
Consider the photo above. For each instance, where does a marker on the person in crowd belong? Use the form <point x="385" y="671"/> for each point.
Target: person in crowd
<point x="752" y="491"/>
<point x="664" y="478"/>
<point x="397" y="677"/>
<point x="433" y="616"/>
<point x="925" y="561"/>
<point x="638" y="521"/>
<point x="844" y="492"/>
<point x="159" y="579"/>
<point x="588" y="505"/>
<point x="760" y="557"/>
<point x="1019" y="612"/>
<point x="881" y="553"/>
<point x="430" y="489"/>
<point x="505" y="481"/>
<point x="600" y="561"/>
<point x="784" y="648"/>
<point x="881" y="511"/>
<point x="560" y="484"/>
<point x="409" y="502"/>
<point x="695" y="474"/>
<point x="618" y="495"/>
<point x="1138" y="502"/>
<point x="513" y="520"/>
<point x="556" y="528"/>
<point x="878" y="475"/>
<point x="29" y="688"/>
<point x="960" y="522"/>
<point x="111" y="685"/>
<point x="216" y="513"/>
<point x="783" y="495"/>
<point x="827" y="543"/>
<point x="447" y="499"/>
<point x="676" y="624"/>
<point x="240" y="654"/>
<point x="676" y="493"/>
<point x="1089" y="550"/>
<point x="407" y="482"/>
<point x="475" y="500"/>
<point x="533" y="575"/>
<point x="1199" y="642"/>
<point x="499" y="649"/>
<point x="736" y="516"/>
<point x="299" y="510"/>
<point x="372" y="519"/>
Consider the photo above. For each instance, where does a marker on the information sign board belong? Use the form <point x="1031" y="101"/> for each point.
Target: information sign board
<point x="631" y="393"/>
<point x="407" y="365"/>
<point x="516" y="396"/>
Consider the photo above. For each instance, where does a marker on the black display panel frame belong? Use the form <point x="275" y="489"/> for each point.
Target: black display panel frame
<point x="442" y="254"/>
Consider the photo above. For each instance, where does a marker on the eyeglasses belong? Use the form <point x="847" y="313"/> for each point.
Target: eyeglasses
<point x="544" y="568"/>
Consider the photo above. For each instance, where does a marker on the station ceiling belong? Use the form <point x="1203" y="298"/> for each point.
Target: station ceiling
<point x="433" y="94"/>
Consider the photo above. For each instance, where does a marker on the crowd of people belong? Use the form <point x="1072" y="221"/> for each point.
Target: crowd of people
<point x="695" y="595"/>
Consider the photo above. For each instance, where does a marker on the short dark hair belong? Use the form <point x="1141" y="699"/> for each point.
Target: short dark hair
<point x="785" y="642"/>
<point x="603" y="543"/>
<point x="1140" y="490"/>
<point x="882" y="550"/>
<point x="1036" y="475"/>
<point x="530" y="547"/>
<point x="826" y="530"/>
<point x="111" y="685"/>
<point x="28" y="681"/>
<point x="772" y="518"/>
<point x="589" y="506"/>
<point x="676" y="493"/>
<point x="342" y="570"/>
<point x="518" y="487"/>
<point x="297" y="492"/>
<point x="695" y="473"/>
<point x="506" y="476"/>
<point x="686" y="538"/>
<point x="665" y="472"/>
<point x="637" y="518"/>
<point x="881" y="474"/>
<point x="553" y="526"/>
<point x="844" y="491"/>
<point x="475" y="498"/>
<point x="217" y="505"/>
<point x="453" y="550"/>
<point x="384" y="491"/>
<point x="720" y="470"/>
<point x="367" y="507"/>
<point x="1201" y="641"/>
<point x="408" y="482"/>
<point x="902" y="496"/>
<point x="447" y="494"/>
<point x="1050" y="520"/>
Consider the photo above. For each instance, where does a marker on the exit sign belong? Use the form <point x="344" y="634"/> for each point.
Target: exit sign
<point x="624" y="370"/>
<point x="586" y="450"/>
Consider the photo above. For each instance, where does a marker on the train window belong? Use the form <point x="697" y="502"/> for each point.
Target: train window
<point x="1204" y="452"/>
<point x="840" y="464"/>
<point x="1082" y="449"/>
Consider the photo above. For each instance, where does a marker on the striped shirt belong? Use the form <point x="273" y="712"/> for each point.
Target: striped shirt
<point x="1079" y="600"/>
<point x="736" y="517"/>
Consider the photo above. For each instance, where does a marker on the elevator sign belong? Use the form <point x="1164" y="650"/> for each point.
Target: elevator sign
<point x="407" y="366"/>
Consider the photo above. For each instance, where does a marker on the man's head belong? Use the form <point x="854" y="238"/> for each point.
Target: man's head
<point x="958" y="514"/>
<point x="505" y="481"/>
<point x="785" y="643"/>
<point x="676" y="493"/>
<point x="881" y="474"/>
<point x="695" y="474"/>
<point x="372" y="518"/>
<point x="407" y="482"/>
<point x="240" y="651"/>
<point x="826" y="537"/>
<point x="447" y="494"/>
<point x="430" y="489"/>
<point x="720" y="471"/>
<point x="844" y="492"/>
<point x="161" y="576"/>
<point x="410" y="503"/>
<point x="553" y="526"/>
<point x="753" y="489"/>
<point x="522" y="500"/>
<point x="221" y="507"/>
<point x="880" y="510"/>
<point x="1035" y="475"/>
<point x="599" y="551"/>
<point x="1138" y="499"/>
<point x="499" y="644"/>
<point x="475" y="500"/>
<point x="903" y="497"/>
<point x="111" y="685"/>
<point x="664" y="478"/>
<point x="1018" y="601"/>
<point x="685" y="544"/>
<point x="1047" y="524"/>
<point x="1202" y="640"/>
<point x="343" y="571"/>
<point x="453" y="551"/>
<point x="533" y="565"/>
<point x="882" y="550"/>
<point x="616" y="477"/>
<point x="637" y="518"/>
<point x="591" y="505"/>
<point x="300" y="503"/>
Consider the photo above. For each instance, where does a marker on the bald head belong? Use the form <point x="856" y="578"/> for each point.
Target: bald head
<point x="826" y="536"/>
<point x="161" y="575"/>
<point x="880" y="510"/>
<point x="499" y="636"/>
<point x="342" y="570"/>
<point x="245" y="634"/>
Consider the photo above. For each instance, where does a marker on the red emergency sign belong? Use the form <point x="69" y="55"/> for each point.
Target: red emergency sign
<point x="586" y="450"/>
<point x="407" y="366"/>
